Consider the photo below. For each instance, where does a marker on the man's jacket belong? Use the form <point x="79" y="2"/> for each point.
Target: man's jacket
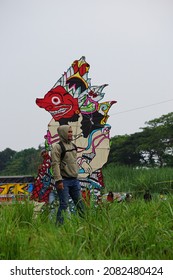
<point x="66" y="167"/>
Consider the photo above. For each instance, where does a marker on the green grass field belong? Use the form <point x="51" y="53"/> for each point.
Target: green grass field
<point x="128" y="179"/>
<point x="111" y="231"/>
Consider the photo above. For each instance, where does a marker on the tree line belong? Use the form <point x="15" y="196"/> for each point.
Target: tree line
<point x="25" y="162"/>
<point x="152" y="147"/>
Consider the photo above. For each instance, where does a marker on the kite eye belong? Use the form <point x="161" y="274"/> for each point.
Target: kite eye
<point x="55" y="100"/>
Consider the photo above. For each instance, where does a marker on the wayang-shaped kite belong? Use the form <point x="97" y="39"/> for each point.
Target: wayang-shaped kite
<point x="73" y="100"/>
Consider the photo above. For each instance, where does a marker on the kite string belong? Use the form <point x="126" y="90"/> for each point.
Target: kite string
<point x="146" y="106"/>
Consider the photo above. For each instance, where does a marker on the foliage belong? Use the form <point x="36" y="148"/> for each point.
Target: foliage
<point x="124" y="150"/>
<point x="112" y="231"/>
<point x="137" y="180"/>
<point x="5" y="157"/>
<point x="25" y="162"/>
<point x="127" y="230"/>
<point x="153" y="146"/>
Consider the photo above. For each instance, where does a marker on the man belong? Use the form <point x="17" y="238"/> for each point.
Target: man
<point x="65" y="172"/>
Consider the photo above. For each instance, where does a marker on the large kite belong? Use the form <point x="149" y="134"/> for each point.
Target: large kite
<point x="74" y="101"/>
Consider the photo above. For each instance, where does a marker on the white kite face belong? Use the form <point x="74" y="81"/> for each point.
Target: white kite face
<point x="74" y="101"/>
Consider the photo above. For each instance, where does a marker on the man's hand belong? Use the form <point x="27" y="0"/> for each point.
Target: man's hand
<point x="59" y="185"/>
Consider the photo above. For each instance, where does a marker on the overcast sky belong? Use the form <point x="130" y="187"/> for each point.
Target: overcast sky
<point x="128" y="44"/>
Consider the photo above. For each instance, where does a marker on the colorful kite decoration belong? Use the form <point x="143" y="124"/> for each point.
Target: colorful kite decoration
<point x="44" y="182"/>
<point x="74" y="101"/>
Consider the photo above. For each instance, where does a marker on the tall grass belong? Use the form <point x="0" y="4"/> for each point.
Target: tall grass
<point x="135" y="230"/>
<point x="127" y="230"/>
<point x="128" y="179"/>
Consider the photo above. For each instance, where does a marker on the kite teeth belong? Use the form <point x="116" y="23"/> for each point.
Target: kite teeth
<point x="61" y="110"/>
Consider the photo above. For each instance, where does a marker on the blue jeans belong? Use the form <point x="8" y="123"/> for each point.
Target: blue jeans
<point x="72" y="189"/>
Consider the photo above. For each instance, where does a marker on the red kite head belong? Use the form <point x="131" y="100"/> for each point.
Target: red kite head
<point x="59" y="103"/>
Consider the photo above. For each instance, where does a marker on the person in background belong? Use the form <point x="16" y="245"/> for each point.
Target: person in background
<point x="110" y="196"/>
<point x="65" y="172"/>
<point x="128" y="197"/>
<point x="147" y="196"/>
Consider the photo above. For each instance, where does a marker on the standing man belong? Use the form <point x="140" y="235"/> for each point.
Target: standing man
<point x="65" y="172"/>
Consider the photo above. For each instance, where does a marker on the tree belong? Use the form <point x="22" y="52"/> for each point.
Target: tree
<point x="6" y="157"/>
<point x="157" y="141"/>
<point x="25" y="162"/>
<point x="124" y="150"/>
<point x="153" y="146"/>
